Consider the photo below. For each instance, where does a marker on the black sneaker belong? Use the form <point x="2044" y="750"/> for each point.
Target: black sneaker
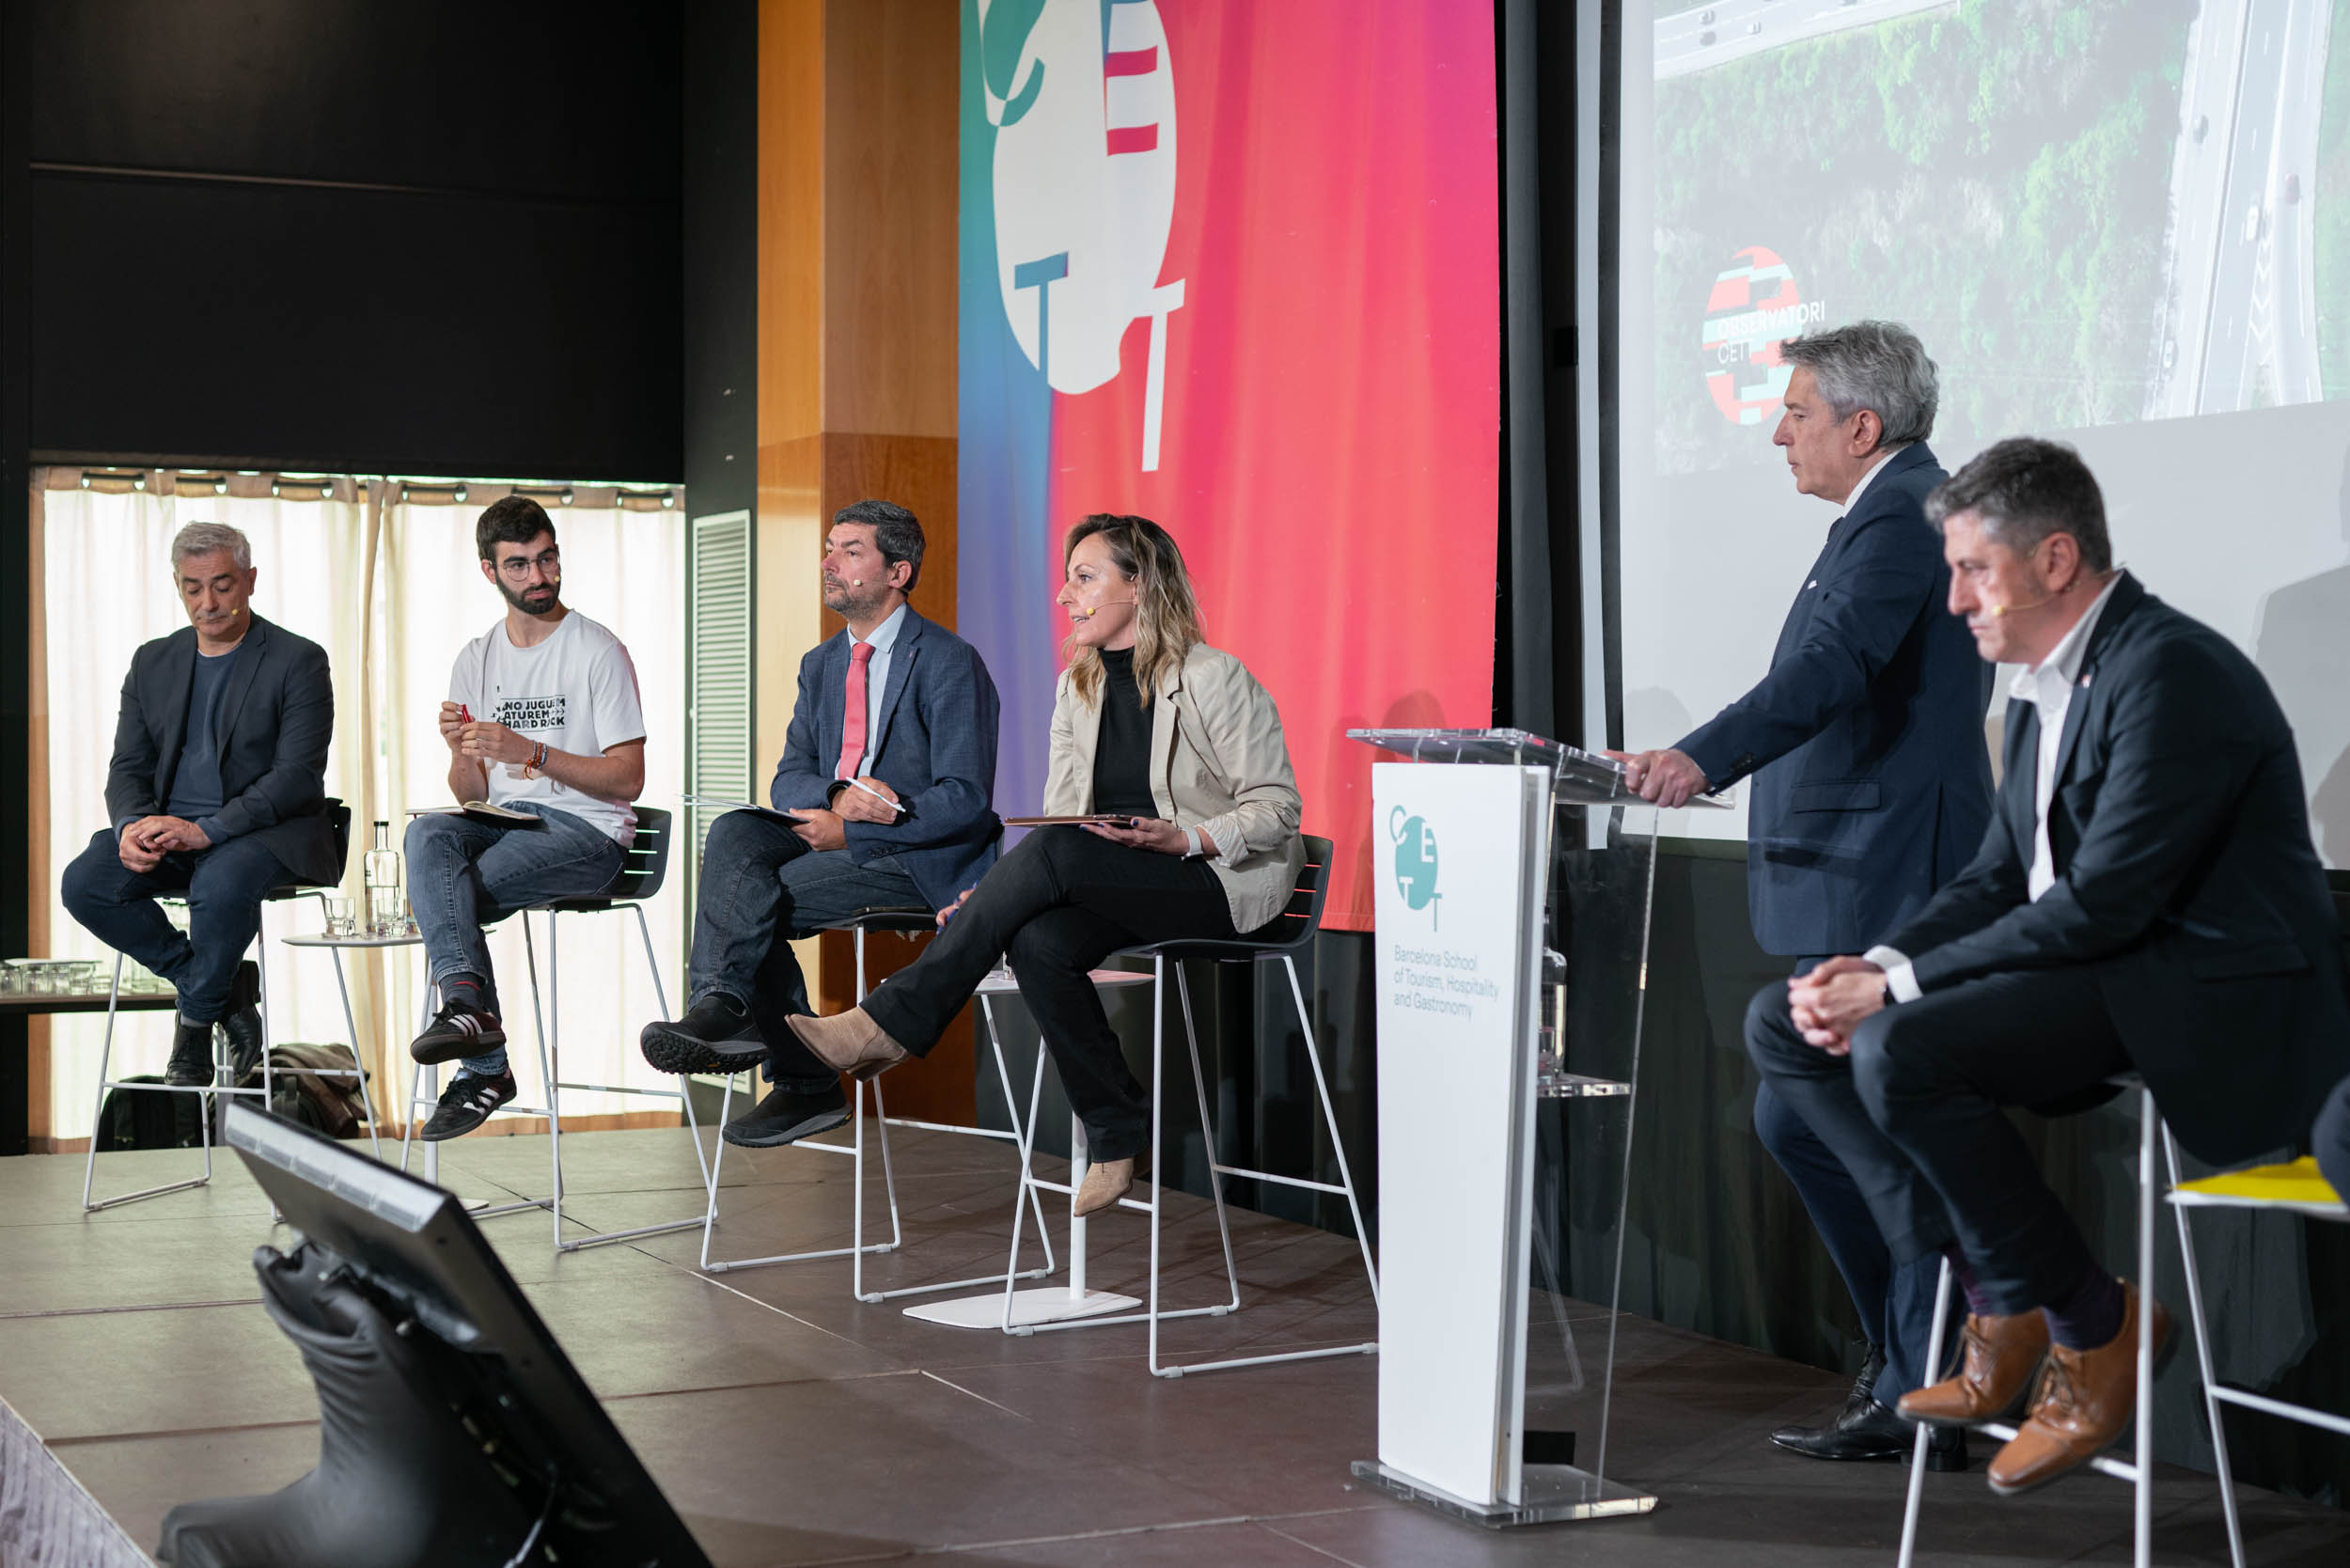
<point x="466" y="1103"/>
<point x="787" y="1116"/>
<point x="190" y="1055"/>
<point x="458" y="1030"/>
<point x="716" y="1035"/>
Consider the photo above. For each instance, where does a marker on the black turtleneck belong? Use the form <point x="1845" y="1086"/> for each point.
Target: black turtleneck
<point x="1121" y="757"/>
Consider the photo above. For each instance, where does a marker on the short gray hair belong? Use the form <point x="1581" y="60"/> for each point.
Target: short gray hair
<point x="2023" y="490"/>
<point x="1879" y="366"/>
<point x="202" y="539"/>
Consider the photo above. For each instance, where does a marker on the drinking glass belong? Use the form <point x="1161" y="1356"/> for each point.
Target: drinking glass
<point x="341" y="918"/>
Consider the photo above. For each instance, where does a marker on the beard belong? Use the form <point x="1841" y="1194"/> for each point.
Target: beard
<point x="854" y="603"/>
<point x="538" y="601"/>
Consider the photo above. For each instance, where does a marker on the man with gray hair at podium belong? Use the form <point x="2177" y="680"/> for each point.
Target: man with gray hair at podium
<point x="1872" y="786"/>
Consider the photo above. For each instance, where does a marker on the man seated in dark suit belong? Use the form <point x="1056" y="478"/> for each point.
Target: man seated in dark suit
<point x="217" y="791"/>
<point x="1872" y="786"/>
<point x="2146" y="900"/>
<point x="889" y="766"/>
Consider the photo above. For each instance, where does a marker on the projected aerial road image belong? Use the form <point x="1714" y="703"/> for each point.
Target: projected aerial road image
<point x="2132" y="208"/>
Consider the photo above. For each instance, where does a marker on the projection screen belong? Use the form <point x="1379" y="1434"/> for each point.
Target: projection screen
<point x="2124" y="224"/>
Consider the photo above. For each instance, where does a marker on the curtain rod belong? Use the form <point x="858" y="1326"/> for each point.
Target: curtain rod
<point x="288" y="486"/>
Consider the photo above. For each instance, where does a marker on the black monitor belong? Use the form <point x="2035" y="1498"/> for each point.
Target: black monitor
<point x="440" y="1391"/>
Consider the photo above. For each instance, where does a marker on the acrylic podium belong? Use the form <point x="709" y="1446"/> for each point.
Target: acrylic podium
<point x="1513" y="878"/>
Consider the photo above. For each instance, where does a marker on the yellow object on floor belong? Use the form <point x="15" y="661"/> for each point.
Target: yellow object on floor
<point x="2297" y="1183"/>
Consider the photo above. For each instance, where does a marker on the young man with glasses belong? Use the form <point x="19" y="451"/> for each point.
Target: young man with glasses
<point x="542" y="719"/>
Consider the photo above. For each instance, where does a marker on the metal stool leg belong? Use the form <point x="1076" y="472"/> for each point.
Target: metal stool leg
<point x="2203" y="1364"/>
<point x="1918" y="1451"/>
<point x="2144" y="1522"/>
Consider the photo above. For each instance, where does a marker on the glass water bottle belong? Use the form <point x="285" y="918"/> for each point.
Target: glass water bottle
<point x="388" y="912"/>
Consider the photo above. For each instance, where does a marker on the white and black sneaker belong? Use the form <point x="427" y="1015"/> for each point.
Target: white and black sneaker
<point x="716" y="1035"/>
<point x="458" y="1030"/>
<point x="466" y="1103"/>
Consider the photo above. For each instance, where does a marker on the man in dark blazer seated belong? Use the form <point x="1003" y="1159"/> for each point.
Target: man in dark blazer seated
<point x="2146" y="899"/>
<point x="1872" y="786"/>
<point x="889" y="766"/>
<point x="217" y="791"/>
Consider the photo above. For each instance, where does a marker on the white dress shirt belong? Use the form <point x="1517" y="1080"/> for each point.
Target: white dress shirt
<point x="885" y="637"/>
<point x="1852" y="502"/>
<point x="2049" y="687"/>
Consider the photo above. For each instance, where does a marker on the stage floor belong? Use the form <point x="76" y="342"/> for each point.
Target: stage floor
<point x="791" y="1425"/>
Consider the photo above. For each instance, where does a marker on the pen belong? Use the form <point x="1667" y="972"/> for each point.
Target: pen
<point x="898" y="807"/>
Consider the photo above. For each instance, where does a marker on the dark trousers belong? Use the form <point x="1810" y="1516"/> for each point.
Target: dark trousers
<point x="2331" y="1140"/>
<point x="225" y="885"/>
<point x="1057" y="905"/>
<point x="1895" y="1302"/>
<point x="1914" y="1114"/>
<point x="761" y="886"/>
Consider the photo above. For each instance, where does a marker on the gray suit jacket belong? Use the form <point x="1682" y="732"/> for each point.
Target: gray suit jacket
<point x="276" y="718"/>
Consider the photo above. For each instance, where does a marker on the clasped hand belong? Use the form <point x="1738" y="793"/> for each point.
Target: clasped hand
<point x="1835" y="998"/>
<point x="146" y="842"/>
<point x="483" y="740"/>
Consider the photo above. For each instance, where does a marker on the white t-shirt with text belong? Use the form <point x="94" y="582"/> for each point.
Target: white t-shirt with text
<point x="577" y="691"/>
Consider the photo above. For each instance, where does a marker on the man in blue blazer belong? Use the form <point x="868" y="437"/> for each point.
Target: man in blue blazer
<point x="2146" y="900"/>
<point x="217" y="792"/>
<point x="1872" y="785"/>
<point x="888" y="774"/>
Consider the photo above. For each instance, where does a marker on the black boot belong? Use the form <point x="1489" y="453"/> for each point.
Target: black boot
<point x="716" y="1035"/>
<point x="244" y="1030"/>
<point x="190" y="1055"/>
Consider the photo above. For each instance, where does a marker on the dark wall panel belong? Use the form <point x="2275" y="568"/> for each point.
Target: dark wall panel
<point x="575" y="100"/>
<point x="721" y="236"/>
<point x="352" y="330"/>
<point x="431" y="236"/>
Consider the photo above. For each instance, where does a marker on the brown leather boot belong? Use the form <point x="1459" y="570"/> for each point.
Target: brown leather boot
<point x="1999" y="1358"/>
<point x="1105" y="1182"/>
<point x="849" y="1043"/>
<point x="2084" y="1398"/>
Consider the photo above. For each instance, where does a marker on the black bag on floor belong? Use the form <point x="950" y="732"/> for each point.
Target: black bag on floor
<point x="135" y="1118"/>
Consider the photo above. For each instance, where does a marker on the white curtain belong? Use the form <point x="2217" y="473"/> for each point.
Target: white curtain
<point x="107" y="563"/>
<point x="391" y="588"/>
<point x="626" y="570"/>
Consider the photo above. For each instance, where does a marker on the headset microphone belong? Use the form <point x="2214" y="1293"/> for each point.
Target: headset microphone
<point x="1098" y="609"/>
<point x="2011" y="609"/>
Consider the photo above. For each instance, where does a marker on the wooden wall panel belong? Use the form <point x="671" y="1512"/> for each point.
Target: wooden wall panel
<point x="791" y="219"/>
<point x="892" y="73"/>
<point x="858" y="174"/>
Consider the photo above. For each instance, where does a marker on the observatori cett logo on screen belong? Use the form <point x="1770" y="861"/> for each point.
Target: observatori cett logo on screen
<point x="1752" y="308"/>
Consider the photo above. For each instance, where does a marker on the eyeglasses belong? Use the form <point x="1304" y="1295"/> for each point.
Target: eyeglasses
<point x="518" y="567"/>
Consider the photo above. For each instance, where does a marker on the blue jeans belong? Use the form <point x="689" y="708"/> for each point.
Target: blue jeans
<point x="761" y="887"/>
<point x="225" y="885"/>
<point x="465" y="875"/>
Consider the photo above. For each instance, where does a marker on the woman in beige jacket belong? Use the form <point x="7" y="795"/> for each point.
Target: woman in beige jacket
<point x="1178" y="741"/>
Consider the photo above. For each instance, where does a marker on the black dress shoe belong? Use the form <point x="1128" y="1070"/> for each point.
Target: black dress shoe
<point x="787" y="1116"/>
<point x="716" y="1035"/>
<point x="1874" y="1432"/>
<point x="190" y="1055"/>
<point x="244" y="1030"/>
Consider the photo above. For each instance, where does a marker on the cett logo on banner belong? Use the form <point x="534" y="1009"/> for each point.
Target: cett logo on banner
<point x="1753" y="308"/>
<point x="1083" y="186"/>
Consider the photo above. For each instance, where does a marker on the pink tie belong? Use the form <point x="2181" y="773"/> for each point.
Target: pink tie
<point x="853" y="722"/>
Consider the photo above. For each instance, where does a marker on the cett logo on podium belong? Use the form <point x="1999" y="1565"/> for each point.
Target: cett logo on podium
<point x="1082" y="95"/>
<point x="1415" y="862"/>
